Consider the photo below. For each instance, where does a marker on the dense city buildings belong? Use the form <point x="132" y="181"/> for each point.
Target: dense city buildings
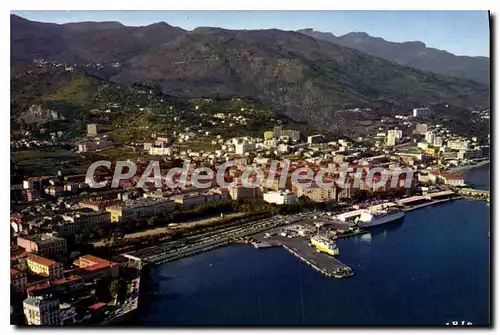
<point x="18" y="280"/>
<point x="82" y="222"/>
<point x="139" y="209"/>
<point x="44" y="267"/>
<point x="42" y="311"/>
<point x="44" y="244"/>
<point x="92" y="267"/>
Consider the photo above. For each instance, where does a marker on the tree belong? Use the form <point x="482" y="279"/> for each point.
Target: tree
<point x="114" y="287"/>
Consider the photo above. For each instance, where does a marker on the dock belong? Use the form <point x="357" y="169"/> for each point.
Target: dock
<point x="321" y="262"/>
<point x="428" y="199"/>
<point x="300" y="247"/>
<point x="425" y="204"/>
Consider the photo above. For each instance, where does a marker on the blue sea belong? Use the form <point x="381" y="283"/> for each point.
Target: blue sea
<point x="431" y="269"/>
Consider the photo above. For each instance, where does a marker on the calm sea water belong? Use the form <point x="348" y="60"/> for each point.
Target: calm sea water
<point x="429" y="270"/>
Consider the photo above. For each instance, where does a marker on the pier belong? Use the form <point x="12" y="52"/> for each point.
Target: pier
<point x="300" y="247"/>
<point x="321" y="262"/>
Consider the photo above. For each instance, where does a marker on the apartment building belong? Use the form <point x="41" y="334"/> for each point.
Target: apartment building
<point x="44" y="267"/>
<point x="421" y="128"/>
<point x="91" y="267"/>
<point x="241" y="192"/>
<point x="139" y="209"/>
<point x="83" y="222"/>
<point x="315" y="139"/>
<point x="422" y="112"/>
<point x="18" y="279"/>
<point x="42" y="311"/>
<point x="189" y="200"/>
<point x="315" y="192"/>
<point x="44" y="244"/>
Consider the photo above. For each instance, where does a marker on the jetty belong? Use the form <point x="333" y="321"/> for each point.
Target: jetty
<point x="301" y="248"/>
<point x="321" y="262"/>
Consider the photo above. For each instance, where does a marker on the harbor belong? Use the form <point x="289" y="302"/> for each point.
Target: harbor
<point x="294" y="239"/>
<point x="273" y="276"/>
<point x="294" y="233"/>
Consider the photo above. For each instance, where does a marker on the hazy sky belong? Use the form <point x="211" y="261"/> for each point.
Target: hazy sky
<point x="459" y="32"/>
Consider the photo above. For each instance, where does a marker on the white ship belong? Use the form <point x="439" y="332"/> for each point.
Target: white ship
<point x="376" y="218"/>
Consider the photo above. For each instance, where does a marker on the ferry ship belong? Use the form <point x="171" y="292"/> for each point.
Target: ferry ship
<point x="369" y="219"/>
<point x="324" y="244"/>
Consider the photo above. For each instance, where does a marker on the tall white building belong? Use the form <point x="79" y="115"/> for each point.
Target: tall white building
<point x="458" y="144"/>
<point x="42" y="311"/>
<point x="243" y="148"/>
<point x="160" y="151"/>
<point x="421" y="128"/>
<point x="314" y="139"/>
<point x="393" y="136"/>
<point x="294" y="135"/>
<point x="438" y="141"/>
<point x="421" y="112"/>
<point x="277" y="131"/>
<point x="390" y="141"/>
<point x="396" y="133"/>
<point x="429" y="137"/>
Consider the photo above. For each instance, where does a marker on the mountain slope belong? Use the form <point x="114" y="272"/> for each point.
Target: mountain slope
<point x="413" y="54"/>
<point x="302" y="77"/>
<point x="83" y="42"/>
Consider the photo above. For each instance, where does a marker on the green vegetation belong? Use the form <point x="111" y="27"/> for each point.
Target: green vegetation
<point x="79" y="91"/>
<point x="47" y="161"/>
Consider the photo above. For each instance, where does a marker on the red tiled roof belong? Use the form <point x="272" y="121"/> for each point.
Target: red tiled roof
<point x="38" y="287"/>
<point x="13" y="272"/>
<point x="40" y="259"/>
<point x="53" y="283"/>
<point x="64" y="280"/>
<point x="99" y="263"/>
<point x="97" y="306"/>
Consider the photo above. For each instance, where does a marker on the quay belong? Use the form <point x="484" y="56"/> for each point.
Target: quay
<point x="430" y="203"/>
<point x="259" y="245"/>
<point x="419" y="201"/>
<point x="175" y="250"/>
<point x="321" y="262"/>
<point x="257" y="230"/>
<point x="301" y="248"/>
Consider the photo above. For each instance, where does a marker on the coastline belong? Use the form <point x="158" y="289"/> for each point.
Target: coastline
<point x="461" y="170"/>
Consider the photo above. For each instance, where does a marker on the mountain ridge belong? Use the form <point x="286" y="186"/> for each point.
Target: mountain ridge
<point x="301" y="77"/>
<point x="415" y="54"/>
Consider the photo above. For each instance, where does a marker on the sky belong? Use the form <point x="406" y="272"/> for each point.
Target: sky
<point x="458" y="32"/>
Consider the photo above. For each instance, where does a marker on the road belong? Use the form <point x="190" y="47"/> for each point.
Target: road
<point x="160" y="230"/>
<point x="207" y="241"/>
